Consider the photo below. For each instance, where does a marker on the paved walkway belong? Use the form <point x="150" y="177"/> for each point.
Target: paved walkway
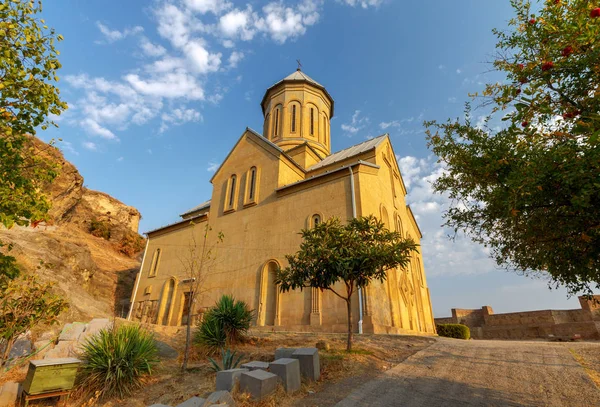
<point x="482" y="373"/>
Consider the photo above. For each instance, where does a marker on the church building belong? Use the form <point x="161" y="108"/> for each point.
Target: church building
<point x="268" y="189"/>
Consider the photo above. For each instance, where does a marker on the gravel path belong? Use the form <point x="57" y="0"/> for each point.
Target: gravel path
<point x="483" y="373"/>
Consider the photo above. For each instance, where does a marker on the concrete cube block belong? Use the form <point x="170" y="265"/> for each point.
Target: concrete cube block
<point x="255" y="365"/>
<point x="288" y="371"/>
<point x="193" y="402"/>
<point x="226" y="379"/>
<point x="220" y="397"/>
<point x="309" y="362"/>
<point x="283" y="353"/>
<point x="258" y="383"/>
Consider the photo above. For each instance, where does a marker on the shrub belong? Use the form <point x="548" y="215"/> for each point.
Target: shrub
<point x="115" y="361"/>
<point x="228" y="361"/>
<point x="131" y="244"/>
<point x="210" y="334"/>
<point x="225" y="323"/>
<point x="458" y="331"/>
<point x="100" y="228"/>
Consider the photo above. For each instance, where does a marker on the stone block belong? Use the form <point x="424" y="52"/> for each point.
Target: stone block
<point x="193" y="402"/>
<point x="284" y="353"/>
<point x="226" y="379"/>
<point x="221" y="397"/>
<point x="98" y="324"/>
<point x="258" y="383"/>
<point x="63" y="349"/>
<point x="22" y="347"/>
<point x="309" y="362"/>
<point x="288" y="371"/>
<point x="256" y="365"/>
<point x="9" y="393"/>
<point x="71" y="332"/>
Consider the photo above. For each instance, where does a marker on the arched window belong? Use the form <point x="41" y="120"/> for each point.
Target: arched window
<point x="154" y="265"/>
<point x="252" y="186"/>
<point x="293" y="118"/>
<point x="277" y="117"/>
<point x="399" y="225"/>
<point x="316" y="220"/>
<point x="312" y="121"/>
<point x="230" y="199"/>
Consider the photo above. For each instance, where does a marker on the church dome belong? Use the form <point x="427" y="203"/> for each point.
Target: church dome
<point x="297" y="111"/>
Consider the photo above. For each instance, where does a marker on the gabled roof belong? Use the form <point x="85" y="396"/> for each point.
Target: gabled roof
<point x="350" y="152"/>
<point x="298" y="76"/>
<point x="203" y="205"/>
<point x="264" y="141"/>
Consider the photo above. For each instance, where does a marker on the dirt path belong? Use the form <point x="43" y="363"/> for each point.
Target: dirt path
<point x="484" y="373"/>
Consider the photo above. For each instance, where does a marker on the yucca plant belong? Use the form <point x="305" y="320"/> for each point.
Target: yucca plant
<point x="211" y="334"/>
<point x="224" y="324"/>
<point x="116" y="361"/>
<point x="235" y="317"/>
<point x="228" y="361"/>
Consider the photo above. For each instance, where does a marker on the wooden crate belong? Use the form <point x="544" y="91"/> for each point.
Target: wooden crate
<point x="51" y="375"/>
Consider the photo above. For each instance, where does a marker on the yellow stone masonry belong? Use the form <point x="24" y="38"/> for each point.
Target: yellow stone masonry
<point x="267" y="190"/>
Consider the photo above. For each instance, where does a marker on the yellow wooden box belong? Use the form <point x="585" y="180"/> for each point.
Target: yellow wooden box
<point x="49" y="375"/>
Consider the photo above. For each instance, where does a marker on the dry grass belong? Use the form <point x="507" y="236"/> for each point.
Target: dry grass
<point x="372" y="354"/>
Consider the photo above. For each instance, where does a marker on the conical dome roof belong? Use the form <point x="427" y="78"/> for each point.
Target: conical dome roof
<point x="298" y="76"/>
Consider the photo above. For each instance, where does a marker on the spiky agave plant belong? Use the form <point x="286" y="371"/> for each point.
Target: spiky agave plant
<point x="228" y="361"/>
<point x="210" y="334"/>
<point x="116" y="361"/>
<point x="234" y="316"/>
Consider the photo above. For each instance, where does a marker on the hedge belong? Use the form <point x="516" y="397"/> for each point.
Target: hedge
<point x="457" y="331"/>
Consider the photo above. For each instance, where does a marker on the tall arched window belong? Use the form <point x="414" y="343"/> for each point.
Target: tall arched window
<point x="316" y="220"/>
<point x="293" y="118"/>
<point x="399" y="225"/>
<point x="277" y="124"/>
<point x="312" y="121"/>
<point x="154" y="265"/>
<point x="252" y="186"/>
<point x="230" y="198"/>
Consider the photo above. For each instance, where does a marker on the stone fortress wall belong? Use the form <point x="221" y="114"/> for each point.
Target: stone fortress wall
<point x="484" y="324"/>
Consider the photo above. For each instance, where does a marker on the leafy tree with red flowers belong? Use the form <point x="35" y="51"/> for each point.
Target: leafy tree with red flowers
<point x="530" y="191"/>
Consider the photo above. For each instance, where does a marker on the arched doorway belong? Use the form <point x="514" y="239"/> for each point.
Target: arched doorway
<point x="166" y="302"/>
<point x="269" y="295"/>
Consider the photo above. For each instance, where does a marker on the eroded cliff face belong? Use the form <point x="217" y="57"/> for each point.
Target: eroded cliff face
<point x="91" y="272"/>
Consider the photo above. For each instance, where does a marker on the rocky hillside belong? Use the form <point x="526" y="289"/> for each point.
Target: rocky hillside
<point x="90" y="247"/>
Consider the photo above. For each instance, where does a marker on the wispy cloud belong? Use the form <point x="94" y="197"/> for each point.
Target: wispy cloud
<point x="111" y="36"/>
<point x="89" y="145"/>
<point x="356" y="124"/>
<point x="212" y="167"/>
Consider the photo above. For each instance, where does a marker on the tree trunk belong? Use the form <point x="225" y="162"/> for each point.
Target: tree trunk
<point x="349" y="307"/>
<point x="188" y="335"/>
<point x="9" y="344"/>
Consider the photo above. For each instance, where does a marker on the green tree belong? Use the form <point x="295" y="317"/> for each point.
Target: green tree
<point x="28" y="95"/>
<point x="530" y="190"/>
<point x="341" y="258"/>
<point x="25" y="303"/>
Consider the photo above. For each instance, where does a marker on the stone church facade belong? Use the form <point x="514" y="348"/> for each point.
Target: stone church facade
<point x="268" y="189"/>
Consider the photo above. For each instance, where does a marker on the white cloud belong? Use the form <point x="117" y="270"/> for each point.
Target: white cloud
<point x="363" y="3"/>
<point x="179" y="116"/>
<point x="458" y="71"/>
<point x="283" y="23"/>
<point x="442" y="256"/>
<point x="150" y="49"/>
<point x="120" y="159"/>
<point x="235" y="58"/>
<point x="88" y="145"/>
<point x="395" y="123"/>
<point x="202" y="60"/>
<point x="212" y="167"/>
<point x="356" y="124"/>
<point x="115" y="35"/>
<point x="179" y="84"/>
<point x="442" y="67"/>
<point x="238" y="23"/>
<point x="92" y="127"/>
<point x="205" y="6"/>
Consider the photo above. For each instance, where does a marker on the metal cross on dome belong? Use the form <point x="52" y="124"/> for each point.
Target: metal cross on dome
<point x="299" y="65"/>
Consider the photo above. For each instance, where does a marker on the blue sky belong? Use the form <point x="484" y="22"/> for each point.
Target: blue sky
<point x="160" y="91"/>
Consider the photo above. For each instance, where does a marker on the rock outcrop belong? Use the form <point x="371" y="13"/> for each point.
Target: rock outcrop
<point x="93" y="273"/>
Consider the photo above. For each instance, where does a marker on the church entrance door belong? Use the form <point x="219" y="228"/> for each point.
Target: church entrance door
<point x="167" y="300"/>
<point x="271" y="295"/>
